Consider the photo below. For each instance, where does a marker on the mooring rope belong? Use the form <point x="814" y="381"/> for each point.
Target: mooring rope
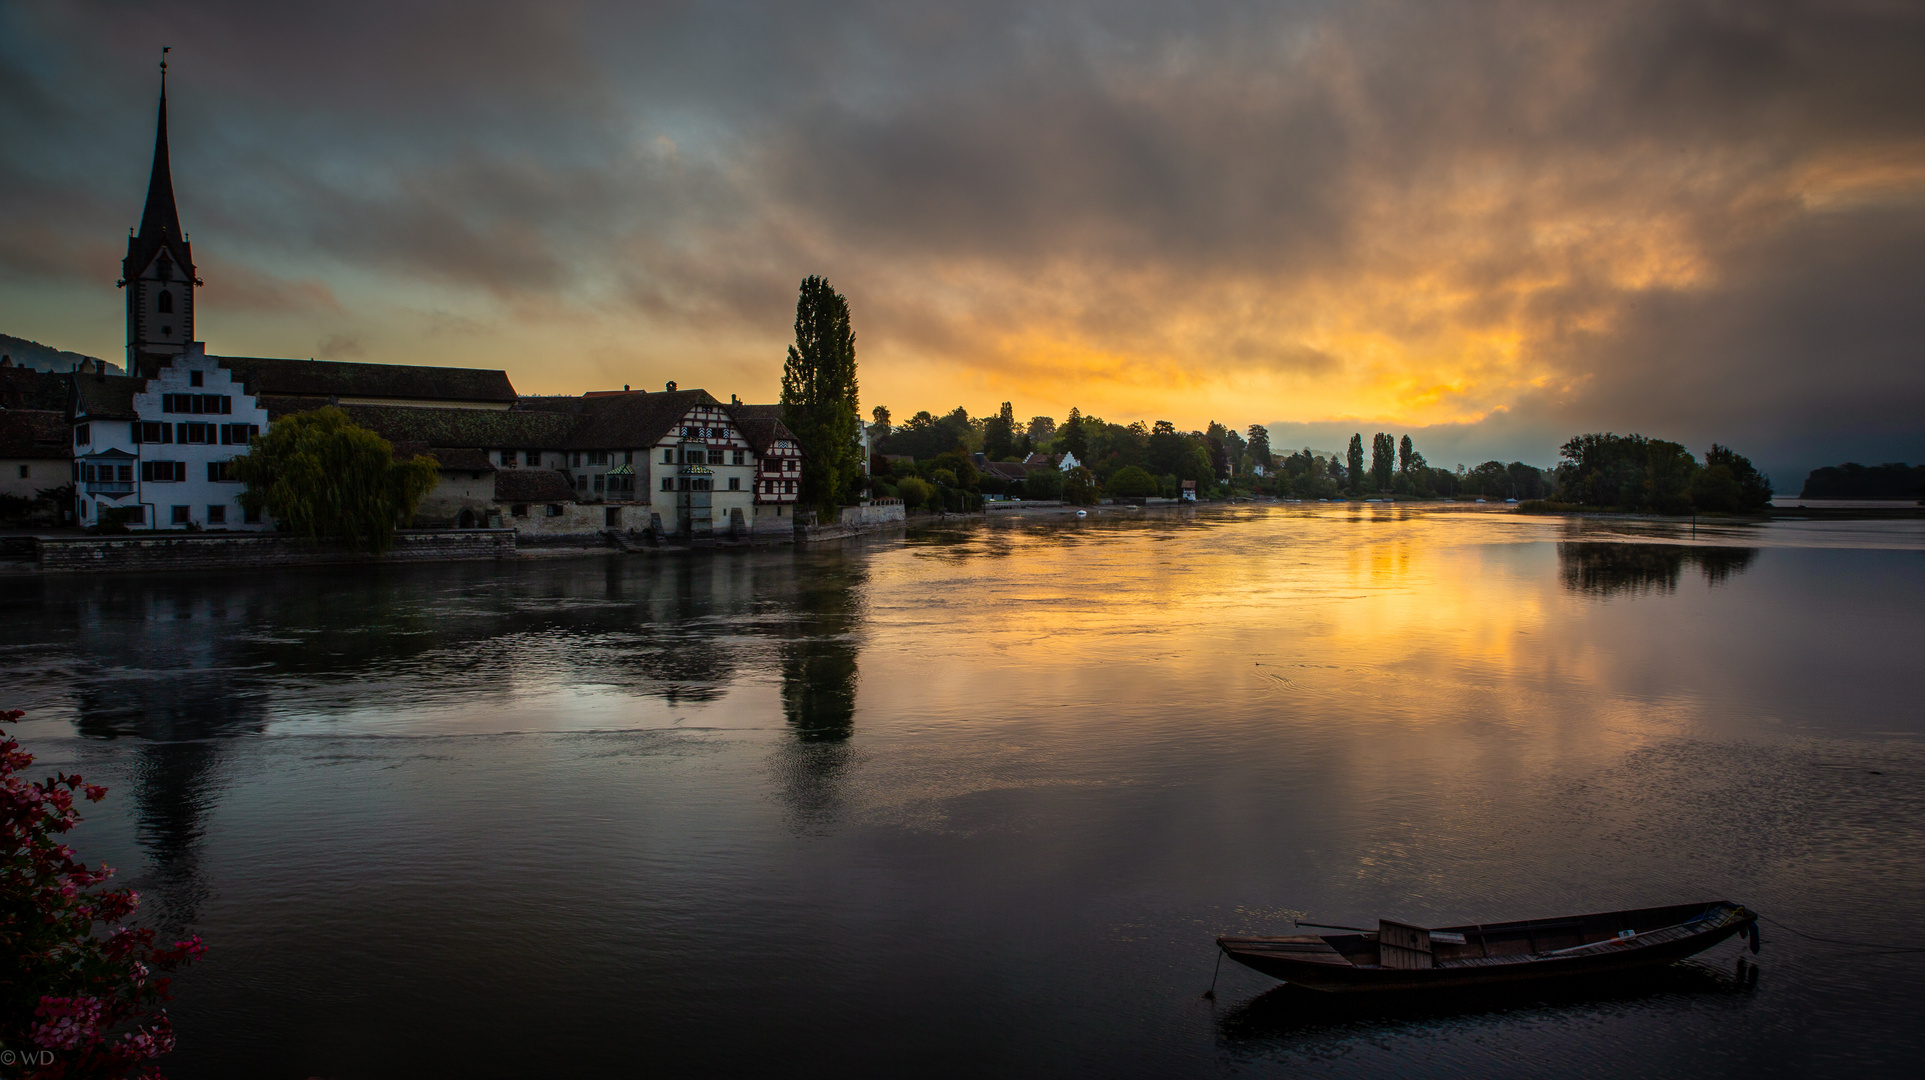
<point x="1839" y="941"/>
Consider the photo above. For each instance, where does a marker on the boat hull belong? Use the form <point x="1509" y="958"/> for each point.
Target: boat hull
<point x="1329" y="963"/>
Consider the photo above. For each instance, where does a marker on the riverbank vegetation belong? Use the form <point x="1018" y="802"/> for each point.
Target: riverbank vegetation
<point x="1892" y="480"/>
<point x="1129" y="461"/>
<point x="1638" y="474"/>
<point x="322" y="475"/>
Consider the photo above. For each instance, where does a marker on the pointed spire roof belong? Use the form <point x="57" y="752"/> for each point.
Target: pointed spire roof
<point x="160" y="219"/>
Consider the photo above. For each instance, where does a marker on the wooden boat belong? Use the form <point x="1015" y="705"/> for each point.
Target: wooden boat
<point x="1400" y="956"/>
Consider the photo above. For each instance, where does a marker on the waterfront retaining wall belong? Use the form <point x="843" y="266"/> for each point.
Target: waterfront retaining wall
<point x="852" y="520"/>
<point x="188" y="551"/>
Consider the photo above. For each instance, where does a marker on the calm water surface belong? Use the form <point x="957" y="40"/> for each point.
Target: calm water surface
<point x="976" y="801"/>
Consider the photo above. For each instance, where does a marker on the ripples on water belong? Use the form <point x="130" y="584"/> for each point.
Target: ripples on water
<point x="976" y="801"/>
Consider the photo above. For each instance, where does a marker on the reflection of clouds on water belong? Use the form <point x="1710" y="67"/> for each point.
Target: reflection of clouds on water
<point x="1610" y="569"/>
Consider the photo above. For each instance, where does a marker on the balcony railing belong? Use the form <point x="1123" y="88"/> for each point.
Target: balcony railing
<point x="110" y="487"/>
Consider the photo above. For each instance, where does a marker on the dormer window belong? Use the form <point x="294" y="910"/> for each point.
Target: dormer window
<point x="164" y="303"/>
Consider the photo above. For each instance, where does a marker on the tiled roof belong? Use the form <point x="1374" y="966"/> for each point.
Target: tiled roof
<point x="485" y="429"/>
<point x="333" y="378"/>
<point x="630" y="421"/>
<point x="1007" y="469"/>
<point x="532" y="486"/>
<point x="458" y="458"/>
<point x="278" y="407"/>
<point x="107" y="397"/>
<point x="616" y="421"/>
<point x="761" y="425"/>
<point x="35" y="433"/>
<point x="25" y="388"/>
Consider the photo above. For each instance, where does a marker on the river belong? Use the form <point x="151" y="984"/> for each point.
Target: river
<point x="975" y="800"/>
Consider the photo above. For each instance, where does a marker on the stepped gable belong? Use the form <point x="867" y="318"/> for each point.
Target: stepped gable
<point x="633" y="420"/>
<point x="761" y="425"/>
<point x="490" y="429"/>
<point x="106" y="397"/>
<point x="35" y="433"/>
<point x="266" y="377"/>
<point x="25" y="388"/>
<point x="532" y="486"/>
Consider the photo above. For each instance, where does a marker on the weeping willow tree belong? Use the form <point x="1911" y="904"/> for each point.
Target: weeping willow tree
<point x="321" y="475"/>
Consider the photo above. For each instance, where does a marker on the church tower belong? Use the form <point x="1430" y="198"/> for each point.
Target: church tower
<point x="158" y="272"/>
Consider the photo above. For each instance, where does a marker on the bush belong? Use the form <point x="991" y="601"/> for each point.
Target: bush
<point x="1045" y="483"/>
<point x="112" y="522"/>
<point x="915" y="492"/>
<point x="1079" y="487"/>
<point x="91" y="1003"/>
<point x="1132" y="482"/>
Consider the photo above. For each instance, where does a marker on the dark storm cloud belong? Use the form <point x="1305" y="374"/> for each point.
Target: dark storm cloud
<point x="1697" y="217"/>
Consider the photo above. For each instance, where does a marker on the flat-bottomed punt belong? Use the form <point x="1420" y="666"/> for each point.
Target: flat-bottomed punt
<point x="1400" y="956"/>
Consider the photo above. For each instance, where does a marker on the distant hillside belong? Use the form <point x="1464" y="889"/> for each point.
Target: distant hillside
<point x="1892" y="480"/>
<point x="32" y="354"/>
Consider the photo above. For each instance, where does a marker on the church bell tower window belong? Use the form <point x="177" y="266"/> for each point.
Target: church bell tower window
<point x="164" y="303"/>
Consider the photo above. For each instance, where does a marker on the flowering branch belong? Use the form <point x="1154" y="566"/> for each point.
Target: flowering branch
<point x="73" y="1002"/>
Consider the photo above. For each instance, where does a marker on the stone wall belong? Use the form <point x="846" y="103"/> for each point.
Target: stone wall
<point x="575" y="519"/>
<point x="852" y="520"/>
<point x="456" y="490"/>
<point x="190" y="551"/>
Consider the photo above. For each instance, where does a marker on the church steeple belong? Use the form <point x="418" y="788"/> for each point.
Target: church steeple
<point x="160" y="218"/>
<point x="158" y="272"/>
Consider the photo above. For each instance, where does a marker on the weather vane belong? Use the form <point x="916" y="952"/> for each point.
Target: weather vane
<point x="164" y="50"/>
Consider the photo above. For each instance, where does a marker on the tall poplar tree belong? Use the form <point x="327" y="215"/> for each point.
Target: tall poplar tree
<point x="1383" y="459"/>
<point x="819" y="396"/>
<point x="1354" y="463"/>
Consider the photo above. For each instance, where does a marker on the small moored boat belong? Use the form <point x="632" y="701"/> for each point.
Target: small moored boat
<point x="1399" y="956"/>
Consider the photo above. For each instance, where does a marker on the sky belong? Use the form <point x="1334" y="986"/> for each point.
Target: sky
<point x="1489" y="224"/>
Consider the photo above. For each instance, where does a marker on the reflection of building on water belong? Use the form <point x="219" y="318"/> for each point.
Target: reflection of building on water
<point x="155" y="671"/>
<point x="1613" y="569"/>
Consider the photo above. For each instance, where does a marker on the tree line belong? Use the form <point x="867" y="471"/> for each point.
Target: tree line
<point x="1154" y="459"/>
<point x="1892" y="480"/>
<point x="1635" y="473"/>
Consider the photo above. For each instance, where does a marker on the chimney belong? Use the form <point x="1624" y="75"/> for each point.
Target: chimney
<point x="671" y="386"/>
<point x="624" y="388"/>
<point x="87" y="366"/>
<point x="735" y="399"/>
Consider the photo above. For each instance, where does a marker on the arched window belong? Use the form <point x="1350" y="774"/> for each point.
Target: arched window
<point x="164" y="303"/>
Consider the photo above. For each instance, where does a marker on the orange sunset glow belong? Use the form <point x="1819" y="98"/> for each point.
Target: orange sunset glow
<point x="1490" y="224"/>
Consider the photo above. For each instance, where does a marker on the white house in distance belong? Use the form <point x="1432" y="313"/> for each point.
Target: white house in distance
<point x="158" y="448"/>
<point x="1064" y="461"/>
